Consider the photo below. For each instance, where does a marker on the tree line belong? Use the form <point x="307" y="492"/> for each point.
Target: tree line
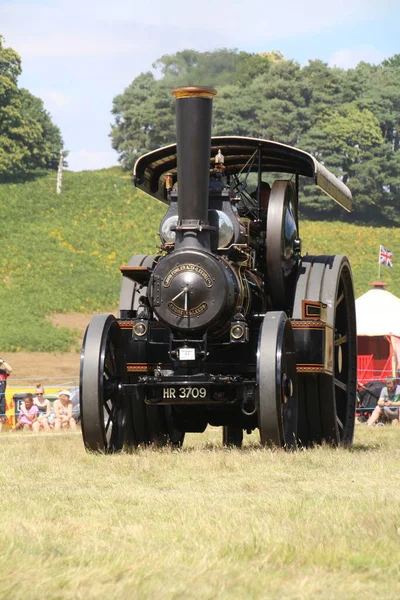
<point x="348" y="119"/>
<point x="29" y="140"/>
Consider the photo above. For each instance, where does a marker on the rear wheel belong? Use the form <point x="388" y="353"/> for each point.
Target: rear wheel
<point x="327" y="402"/>
<point x="130" y="291"/>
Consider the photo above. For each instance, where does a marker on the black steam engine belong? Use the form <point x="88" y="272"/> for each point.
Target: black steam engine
<point x="229" y="324"/>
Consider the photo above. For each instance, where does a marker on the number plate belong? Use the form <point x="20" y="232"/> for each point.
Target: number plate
<point x="187" y="354"/>
<point x="184" y="392"/>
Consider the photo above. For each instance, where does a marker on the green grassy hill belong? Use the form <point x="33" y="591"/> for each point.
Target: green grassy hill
<point x="62" y="253"/>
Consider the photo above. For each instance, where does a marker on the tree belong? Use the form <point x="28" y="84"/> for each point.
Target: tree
<point x="349" y="141"/>
<point x="383" y="98"/>
<point x="393" y="61"/>
<point x="235" y="112"/>
<point x="188" y="67"/>
<point x="375" y="184"/>
<point x="44" y="150"/>
<point x="271" y="106"/>
<point x="251" y="66"/>
<point x="28" y="138"/>
<point x="144" y="118"/>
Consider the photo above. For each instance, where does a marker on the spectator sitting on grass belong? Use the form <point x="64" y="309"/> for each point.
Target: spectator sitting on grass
<point x="388" y="406"/>
<point x="28" y="419"/>
<point x="45" y="415"/>
<point x="63" y="411"/>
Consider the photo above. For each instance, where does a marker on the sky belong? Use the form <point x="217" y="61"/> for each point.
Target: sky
<point x="77" y="55"/>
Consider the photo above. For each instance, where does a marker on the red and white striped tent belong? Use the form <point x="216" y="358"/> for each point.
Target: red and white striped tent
<point x="378" y="334"/>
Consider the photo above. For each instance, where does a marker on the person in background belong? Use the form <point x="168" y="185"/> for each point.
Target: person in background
<point x="5" y="371"/>
<point x="45" y="414"/>
<point x="388" y="406"/>
<point x="28" y="420"/>
<point x="63" y="411"/>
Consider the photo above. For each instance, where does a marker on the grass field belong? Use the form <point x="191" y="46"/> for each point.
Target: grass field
<point x="200" y="523"/>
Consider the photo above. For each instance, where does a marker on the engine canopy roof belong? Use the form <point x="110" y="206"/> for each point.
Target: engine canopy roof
<point x="241" y="154"/>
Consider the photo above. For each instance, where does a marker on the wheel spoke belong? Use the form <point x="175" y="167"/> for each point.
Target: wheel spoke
<point x="112" y="359"/>
<point x="339" y="300"/>
<point x="110" y="366"/>
<point x="107" y="424"/>
<point x="107" y="372"/>
<point x="111" y="416"/>
<point x="341" y="340"/>
<point x="340" y="384"/>
<point x="339" y="422"/>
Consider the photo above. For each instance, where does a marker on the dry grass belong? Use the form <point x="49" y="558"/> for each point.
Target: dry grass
<point x="202" y="522"/>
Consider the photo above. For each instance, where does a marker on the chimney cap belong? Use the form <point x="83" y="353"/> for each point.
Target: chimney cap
<point x="195" y="91"/>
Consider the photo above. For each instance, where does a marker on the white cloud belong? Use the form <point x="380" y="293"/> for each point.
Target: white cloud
<point x="78" y="44"/>
<point x="52" y="97"/>
<point x="86" y="160"/>
<point x="348" y="58"/>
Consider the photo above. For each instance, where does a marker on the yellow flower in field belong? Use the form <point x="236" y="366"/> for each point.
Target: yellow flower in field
<point x="111" y="256"/>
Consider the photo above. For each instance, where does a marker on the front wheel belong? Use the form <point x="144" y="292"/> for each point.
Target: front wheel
<point x="103" y="410"/>
<point x="277" y="382"/>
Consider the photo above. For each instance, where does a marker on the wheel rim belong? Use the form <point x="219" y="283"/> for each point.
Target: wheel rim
<point x="102" y="402"/>
<point x="277" y="382"/>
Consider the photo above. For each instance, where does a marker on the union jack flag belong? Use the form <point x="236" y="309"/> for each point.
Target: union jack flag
<point x="385" y="257"/>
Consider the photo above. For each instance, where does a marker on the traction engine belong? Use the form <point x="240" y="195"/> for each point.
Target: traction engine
<point x="228" y="324"/>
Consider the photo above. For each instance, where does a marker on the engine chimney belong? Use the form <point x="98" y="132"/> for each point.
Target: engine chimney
<point x="193" y="138"/>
